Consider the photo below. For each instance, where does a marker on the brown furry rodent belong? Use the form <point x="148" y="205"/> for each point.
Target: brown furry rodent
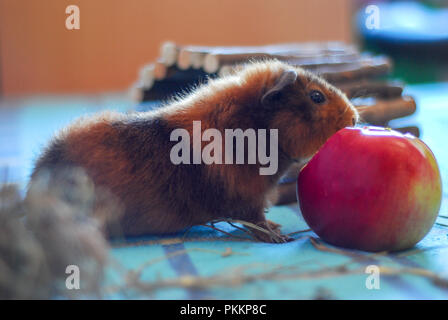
<point x="130" y="154"/>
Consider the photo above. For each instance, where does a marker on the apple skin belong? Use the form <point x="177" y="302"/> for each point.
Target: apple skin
<point x="371" y="189"/>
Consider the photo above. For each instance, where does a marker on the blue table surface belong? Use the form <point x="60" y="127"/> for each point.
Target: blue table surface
<point x="295" y="270"/>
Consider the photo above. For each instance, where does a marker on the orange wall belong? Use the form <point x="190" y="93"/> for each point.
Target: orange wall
<point x="39" y="55"/>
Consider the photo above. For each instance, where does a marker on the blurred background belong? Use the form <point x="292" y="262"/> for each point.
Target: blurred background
<point x="50" y="75"/>
<point x="116" y="37"/>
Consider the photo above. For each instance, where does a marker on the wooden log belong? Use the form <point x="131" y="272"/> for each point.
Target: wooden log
<point x="168" y="53"/>
<point x="383" y="111"/>
<point x="340" y="69"/>
<point x="191" y="57"/>
<point x="135" y="93"/>
<point x="147" y="76"/>
<point x="213" y="62"/>
<point x="366" y="88"/>
<point x="414" y="130"/>
<point x="306" y="48"/>
<point x="231" y="55"/>
<point x="162" y="71"/>
<point x="378" y="66"/>
<point x="227" y="70"/>
<point x="324" y="59"/>
<point x="194" y="56"/>
<point x="197" y="60"/>
<point x="309" y="48"/>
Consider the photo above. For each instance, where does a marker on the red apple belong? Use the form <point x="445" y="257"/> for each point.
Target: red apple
<point x="371" y="189"/>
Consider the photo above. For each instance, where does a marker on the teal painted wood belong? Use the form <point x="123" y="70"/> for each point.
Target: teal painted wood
<point x="301" y="270"/>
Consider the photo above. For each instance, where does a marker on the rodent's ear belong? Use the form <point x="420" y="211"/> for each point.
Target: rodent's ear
<point x="286" y="78"/>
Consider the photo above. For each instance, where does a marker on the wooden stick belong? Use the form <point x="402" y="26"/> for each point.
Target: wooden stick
<point x="168" y="53"/>
<point x="307" y="48"/>
<point x="323" y="59"/>
<point x="213" y="62"/>
<point x="193" y="60"/>
<point x="147" y="76"/>
<point x="366" y="88"/>
<point x="161" y="71"/>
<point x="194" y="56"/>
<point x="136" y="93"/>
<point x="415" y="131"/>
<point x="384" y="110"/>
<point x="342" y="67"/>
<point x="227" y="70"/>
<point x="366" y="69"/>
<point x="191" y="57"/>
<point x="293" y="52"/>
<point x="184" y="59"/>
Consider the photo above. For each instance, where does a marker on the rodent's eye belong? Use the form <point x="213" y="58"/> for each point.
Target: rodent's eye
<point x="317" y="96"/>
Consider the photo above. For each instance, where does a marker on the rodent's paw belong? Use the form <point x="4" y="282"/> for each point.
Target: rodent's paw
<point x="273" y="235"/>
<point x="272" y="226"/>
<point x="284" y="238"/>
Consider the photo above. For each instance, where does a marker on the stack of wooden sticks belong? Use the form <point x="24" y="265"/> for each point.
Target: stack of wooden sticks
<point x="361" y="76"/>
<point x="357" y="74"/>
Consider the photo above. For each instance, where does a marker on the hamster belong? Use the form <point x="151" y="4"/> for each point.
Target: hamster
<point x="129" y="154"/>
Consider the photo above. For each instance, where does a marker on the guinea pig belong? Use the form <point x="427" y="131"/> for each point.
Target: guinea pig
<point x="130" y="155"/>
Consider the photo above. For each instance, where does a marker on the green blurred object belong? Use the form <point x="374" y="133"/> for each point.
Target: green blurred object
<point x="414" y="35"/>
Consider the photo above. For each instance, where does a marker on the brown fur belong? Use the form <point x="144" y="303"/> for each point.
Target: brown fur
<point x="129" y="154"/>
